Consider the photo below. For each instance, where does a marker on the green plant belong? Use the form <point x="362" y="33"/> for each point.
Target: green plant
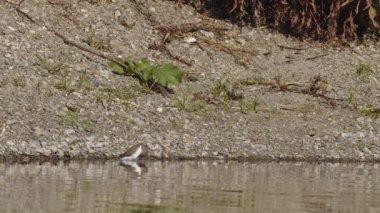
<point x="2" y="122"/>
<point x="196" y="105"/>
<point x="59" y="67"/>
<point x="180" y="103"/>
<point x="19" y="82"/>
<point x="370" y="111"/>
<point x="64" y="85"/>
<point x="48" y="93"/>
<point x="226" y="104"/>
<point x="141" y="88"/>
<point x="249" y="81"/>
<point x="84" y="83"/>
<point x="249" y="105"/>
<point x="74" y="142"/>
<point x="71" y="118"/>
<point x="364" y="72"/>
<point x="97" y="43"/>
<point x="88" y="126"/>
<point x="351" y="97"/>
<point x="3" y="82"/>
<point x="124" y="93"/>
<point x="189" y="105"/>
<point x="220" y="87"/>
<point x="149" y="75"/>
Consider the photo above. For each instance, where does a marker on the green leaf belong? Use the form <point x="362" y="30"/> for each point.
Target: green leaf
<point x="143" y="65"/>
<point x="167" y="74"/>
<point x="147" y="74"/>
<point x="117" y="69"/>
<point x="144" y="69"/>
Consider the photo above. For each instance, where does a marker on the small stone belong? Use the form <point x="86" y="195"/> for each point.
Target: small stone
<point x="10" y="143"/>
<point x="186" y="138"/>
<point x="207" y="34"/>
<point x="215" y="153"/>
<point x="160" y="109"/>
<point x="235" y="94"/>
<point x="91" y="139"/>
<point x="38" y="132"/>
<point x="193" y="79"/>
<point x="241" y="41"/>
<point x="89" y="145"/>
<point x="190" y="40"/>
<point x="117" y="14"/>
<point x="69" y="131"/>
<point x="9" y="30"/>
<point x="99" y="145"/>
<point x="54" y="149"/>
<point x="104" y="73"/>
<point x="152" y="9"/>
<point x="346" y="135"/>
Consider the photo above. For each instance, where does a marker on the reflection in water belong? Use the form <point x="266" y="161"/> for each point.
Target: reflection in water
<point x="206" y="186"/>
<point x="135" y="166"/>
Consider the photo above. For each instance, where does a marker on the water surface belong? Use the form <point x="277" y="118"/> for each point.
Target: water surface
<point x="189" y="186"/>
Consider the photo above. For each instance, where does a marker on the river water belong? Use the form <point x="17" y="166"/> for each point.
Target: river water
<point x="189" y="186"/>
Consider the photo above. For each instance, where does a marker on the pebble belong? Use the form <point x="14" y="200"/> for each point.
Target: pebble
<point x="9" y="30"/>
<point x="54" y="149"/>
<point x="117" y="14"/>
<point x="69" y="131"/>
<point x="207" y="34"/>
<point x="241" y="41"/>
<point x="190" y="40"/>
<point x="186" y="138"/>
<point x="152" y="9"/>
<point x="10" y="143"/>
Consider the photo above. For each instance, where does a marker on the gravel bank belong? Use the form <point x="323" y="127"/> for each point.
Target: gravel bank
<point x="302" y="100"/>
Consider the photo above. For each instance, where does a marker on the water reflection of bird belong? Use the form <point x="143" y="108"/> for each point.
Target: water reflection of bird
<point x="134" y="166"/>
<point x="134" y="153"/>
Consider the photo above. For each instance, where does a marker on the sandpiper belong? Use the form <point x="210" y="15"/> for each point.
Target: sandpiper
<point x="133" y="153"/>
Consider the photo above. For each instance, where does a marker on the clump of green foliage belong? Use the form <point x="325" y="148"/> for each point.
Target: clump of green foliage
<point x="149" y="75"/>
<point x="371" y="111"/>
<point x="365" y="72"/>
<point x="249" y="105"/>
<point x="226" y="90"/>
<point x="71" y="118"/>
<point x="65" y="85"/>
<point x="53" y="68"/>
<point x="3" y="82"/>
<point x="189" y="105"/>
<point x="193" y="105"/>
<point x="97" y="43"/>
<point x="85" y="83"/>
<point x="110" y="94"/>
<point x="2" y="122"/>
<point x="19" y="82"/>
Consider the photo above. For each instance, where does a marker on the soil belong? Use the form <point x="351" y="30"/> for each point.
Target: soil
<point x="249" y="93"/>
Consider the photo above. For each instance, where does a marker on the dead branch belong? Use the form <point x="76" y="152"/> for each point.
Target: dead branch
<point x="154" y="86"/>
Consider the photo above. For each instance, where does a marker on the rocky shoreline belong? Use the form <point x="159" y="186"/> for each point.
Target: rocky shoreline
<point x="302" y="100"/>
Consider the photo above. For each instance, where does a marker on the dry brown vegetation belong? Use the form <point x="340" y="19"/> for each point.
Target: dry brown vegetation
<point x="346" y="20"/>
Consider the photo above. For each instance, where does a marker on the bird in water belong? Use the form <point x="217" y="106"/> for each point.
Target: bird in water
<point x="134" y="153"/>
